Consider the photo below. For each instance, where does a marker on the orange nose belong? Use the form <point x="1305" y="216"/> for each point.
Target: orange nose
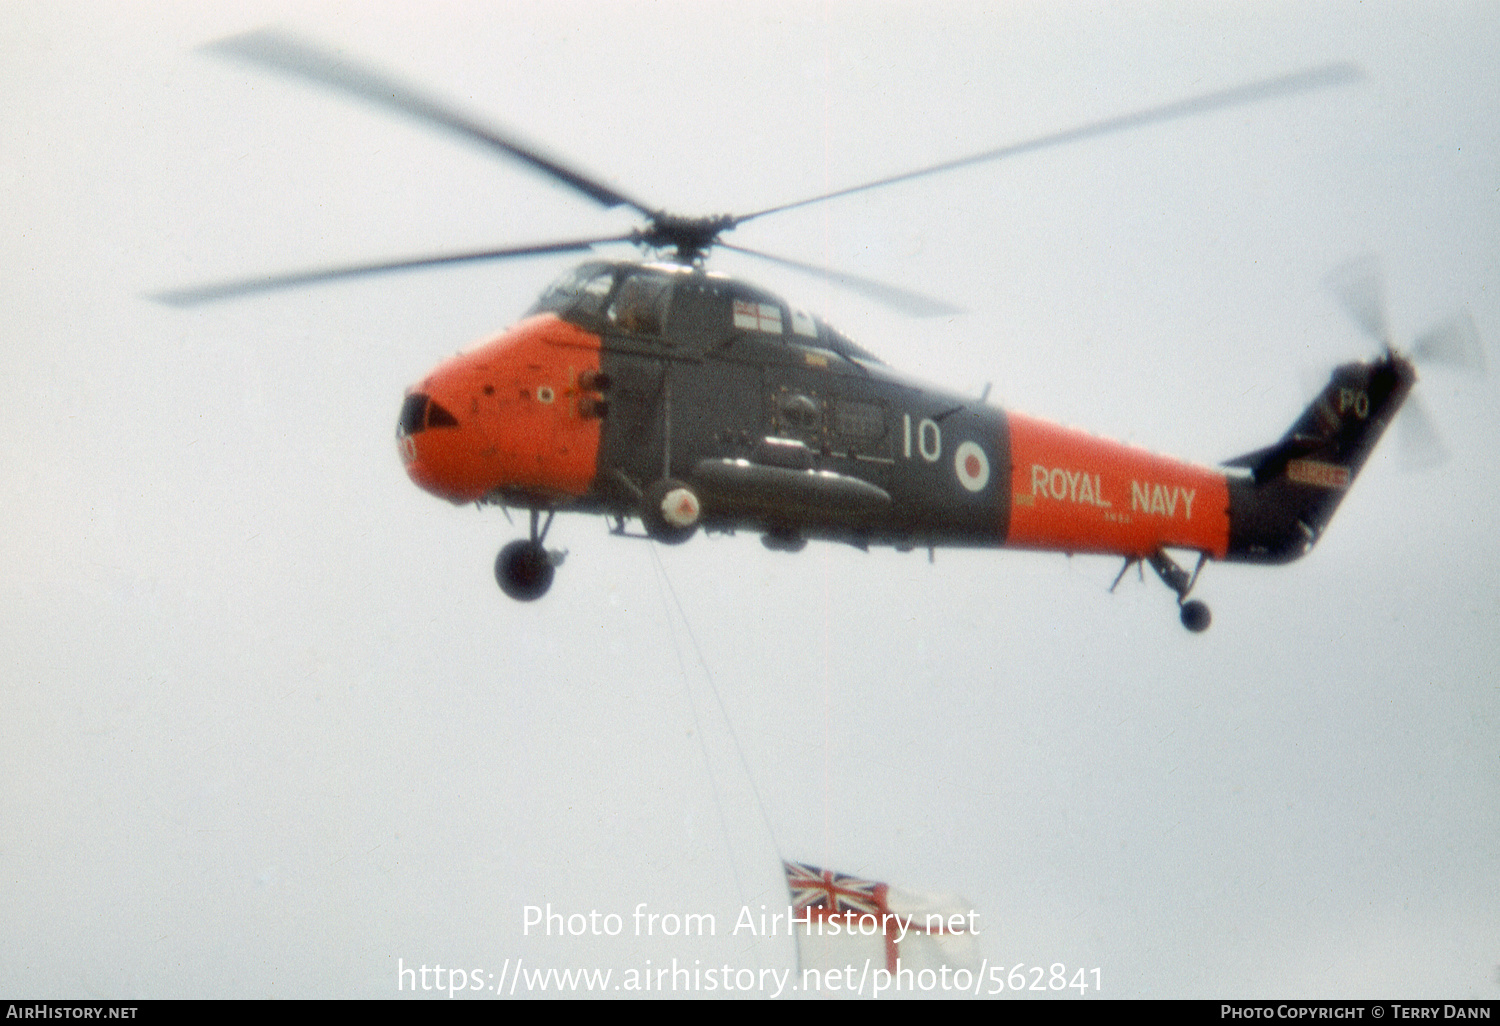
<point x="518" y="417"/>
<point x="438" y="450"/>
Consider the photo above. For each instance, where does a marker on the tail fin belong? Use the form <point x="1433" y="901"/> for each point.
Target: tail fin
<point x="1278" y="512"/>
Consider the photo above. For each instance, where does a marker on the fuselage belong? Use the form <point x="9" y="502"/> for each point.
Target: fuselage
<point x="627" y="374"/>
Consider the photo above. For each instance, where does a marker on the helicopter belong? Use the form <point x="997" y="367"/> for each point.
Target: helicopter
<point x="662" y="392"/>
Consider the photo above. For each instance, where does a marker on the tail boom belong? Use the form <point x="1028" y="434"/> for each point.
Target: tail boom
<point x="1074" y="492"/>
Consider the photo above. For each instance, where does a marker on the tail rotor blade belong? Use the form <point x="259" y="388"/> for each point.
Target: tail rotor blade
<point x="1455" y="343"/>
<point x="1420" y="442"/>
<point x="1361" y="289"/>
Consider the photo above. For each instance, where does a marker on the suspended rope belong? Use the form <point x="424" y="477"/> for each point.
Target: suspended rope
<point x="664" y="583"/>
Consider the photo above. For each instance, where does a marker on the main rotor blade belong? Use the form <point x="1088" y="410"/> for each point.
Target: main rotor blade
<point x="904" y="300"/>
<point x="283" y="53"/>
<point x="252" y="286"/>
<point x="1254" y="92"/>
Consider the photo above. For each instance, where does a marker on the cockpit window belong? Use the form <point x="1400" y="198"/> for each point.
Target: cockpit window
<point x="413" y="414"/>
<point x="840" y="343"/>
<point x="757" y="313"/>
<point x="637" y="300"/>
<point x="594" y="292"/>
<point x="582" y="289"/>
<point x="640" y="303"/>
<point x="419" y="412"/>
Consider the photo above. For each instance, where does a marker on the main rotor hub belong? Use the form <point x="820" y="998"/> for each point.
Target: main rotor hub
<point x="691" y="237"/>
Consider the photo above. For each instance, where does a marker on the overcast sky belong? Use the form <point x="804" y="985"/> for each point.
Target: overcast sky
<point x="267" y="725"/>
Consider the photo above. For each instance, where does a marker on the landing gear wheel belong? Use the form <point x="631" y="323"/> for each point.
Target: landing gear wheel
<point x="1195" y="616"/>
<point x="524" y="571"/>
<point x="670" y="511"/>
<point x="783" y="539"/>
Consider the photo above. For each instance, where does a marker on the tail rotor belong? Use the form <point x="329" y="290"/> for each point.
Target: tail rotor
<point x="1455" y="343"/>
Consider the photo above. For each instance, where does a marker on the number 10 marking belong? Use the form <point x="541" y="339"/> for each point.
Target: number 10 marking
<point x="929" y="438"/>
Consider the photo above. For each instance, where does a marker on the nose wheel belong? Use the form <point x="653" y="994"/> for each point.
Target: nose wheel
<point x="524" y="569"/>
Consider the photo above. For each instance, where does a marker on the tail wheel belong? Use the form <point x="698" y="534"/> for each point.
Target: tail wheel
<point x="524" y="571"/>
<point x="670" y="511"/>
<point x="1195" y="616"/>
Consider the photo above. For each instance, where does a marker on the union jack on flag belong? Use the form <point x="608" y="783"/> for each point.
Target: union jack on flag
<point x="832" y="894"/>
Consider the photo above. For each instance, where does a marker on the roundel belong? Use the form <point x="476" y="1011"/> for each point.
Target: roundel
<point x="972" y="466"/>
<point x="679" y="507"/>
